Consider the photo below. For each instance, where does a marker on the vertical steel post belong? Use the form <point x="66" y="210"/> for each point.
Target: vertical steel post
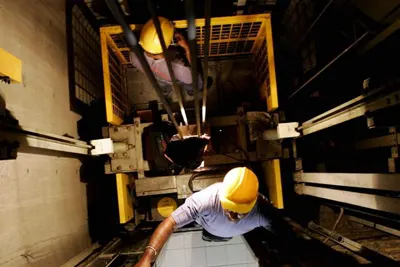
<point x="133" y="43"/>
<point x="190" y="15"/>
<point x="177" y="89"/>
<point x="206" y="45"/>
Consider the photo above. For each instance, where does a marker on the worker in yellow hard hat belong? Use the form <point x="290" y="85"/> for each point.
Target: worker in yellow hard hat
<point x="224" y="210"/>
<point x="154" y="55"/>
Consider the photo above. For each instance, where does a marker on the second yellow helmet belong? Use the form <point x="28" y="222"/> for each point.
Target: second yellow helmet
<point x="149" y="39"/>
<point x="239" y="190"/>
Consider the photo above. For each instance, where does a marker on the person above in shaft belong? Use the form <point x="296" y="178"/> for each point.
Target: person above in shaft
<point x="224" y="210"/>
<point x="153" y="53"/>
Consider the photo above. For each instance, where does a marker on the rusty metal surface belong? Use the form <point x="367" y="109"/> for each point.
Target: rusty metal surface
<point x="183" y="187"/>
<point x="156" y="185"/>
<point x="123" y="161"/>
<point x="380" y="241"/>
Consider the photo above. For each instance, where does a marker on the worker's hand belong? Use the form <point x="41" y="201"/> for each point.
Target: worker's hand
<point x="181" y="41"/>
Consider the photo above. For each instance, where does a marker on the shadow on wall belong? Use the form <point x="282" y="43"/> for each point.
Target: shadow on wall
<point x="15" y="142"/>
<point x="100" y="188"/>
<point x="8" y="149"/>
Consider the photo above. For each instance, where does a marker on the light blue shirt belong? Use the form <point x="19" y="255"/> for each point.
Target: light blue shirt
<point x="205" y="208"/>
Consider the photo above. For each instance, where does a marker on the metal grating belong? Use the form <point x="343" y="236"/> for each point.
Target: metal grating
<point x="230" y="36"/>
<point x="118" y="85"/>
<point x="115" y="86"/>
<point x="86" y="83"/>
<point x="229" y="39"/>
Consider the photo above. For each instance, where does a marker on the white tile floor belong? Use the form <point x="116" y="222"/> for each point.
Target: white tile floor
<point x="189" y="250"/>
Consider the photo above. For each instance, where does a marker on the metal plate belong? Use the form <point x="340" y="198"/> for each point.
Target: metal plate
<point x="156" y="185"/>
<point x="123" y="161"/>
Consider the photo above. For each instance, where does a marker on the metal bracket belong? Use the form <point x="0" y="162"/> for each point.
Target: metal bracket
<point x="299" y="188"/>
<point x="298" y="164"/>
<point x="121" y="145"/>
<point x="282" y="131"/>
<point x="298" y="176"/>
<point x="102" y="146"/>
<point x="393" y="161"/>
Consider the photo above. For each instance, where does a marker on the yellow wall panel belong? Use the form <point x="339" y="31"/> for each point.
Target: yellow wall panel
<point x="10" y="66"/>
<point x="272" y="175"/>
<point x="125" y="205"/>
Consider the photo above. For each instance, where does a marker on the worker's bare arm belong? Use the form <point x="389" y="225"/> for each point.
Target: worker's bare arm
<point x="157" y="241"/>
<point x="184" y="44"/>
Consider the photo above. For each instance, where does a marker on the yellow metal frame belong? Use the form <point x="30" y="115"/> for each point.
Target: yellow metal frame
<point x="272" y="93"/>
<point x="125" y="206"/>
<point x="10" y="66"/>
<point x="272" y="174"/>
<point x="111" y="105"/>
<point x="230" y="36"/>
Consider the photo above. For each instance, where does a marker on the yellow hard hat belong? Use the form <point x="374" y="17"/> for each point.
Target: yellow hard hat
<point x="149" y="38"/>
<point x="239" y="190"/>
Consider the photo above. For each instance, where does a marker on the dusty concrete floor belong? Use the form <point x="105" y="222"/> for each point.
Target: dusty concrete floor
<point x="42" y="201"/>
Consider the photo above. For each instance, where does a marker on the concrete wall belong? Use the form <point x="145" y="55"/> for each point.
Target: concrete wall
<point x="43" y="213"/>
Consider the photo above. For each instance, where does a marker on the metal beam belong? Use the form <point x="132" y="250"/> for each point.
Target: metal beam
<point x="350" y="110"/>
<point x="156" y="185"/>
<point x="175" y="184"/>
<point x="229" y="158"/>
<point x="375" y="225"/>
<point x="341" y="107"/>
<point x="376" y="142"/>
<point x="381" y="37"/>
<point x="375" y="202"/>
<point x="379" y="181"/>
<point x="198" y="184"/>
<point x="35" y="141"/>
<point x="370" y="254"/>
